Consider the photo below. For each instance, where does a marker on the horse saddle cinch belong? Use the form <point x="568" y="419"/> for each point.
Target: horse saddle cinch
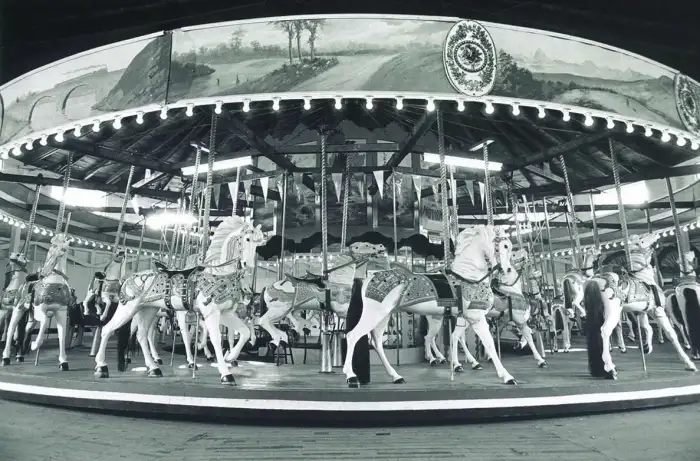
<point x="310" y="278"/>
<point x="162" y="268"/>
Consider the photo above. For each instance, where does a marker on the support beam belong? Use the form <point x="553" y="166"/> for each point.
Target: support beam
<point x="555" y="151"/>
<point x="406" y="146"/>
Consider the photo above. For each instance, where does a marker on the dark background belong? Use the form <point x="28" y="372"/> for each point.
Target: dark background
<point x="36" y="32"/>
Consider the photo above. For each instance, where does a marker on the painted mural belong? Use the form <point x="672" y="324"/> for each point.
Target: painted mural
<point x="126" y="75"/>
<point x="375" y="54"/>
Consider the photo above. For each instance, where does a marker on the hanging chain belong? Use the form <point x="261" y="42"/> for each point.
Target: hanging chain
<point x="62" y="206"/>
<point x="514" y="206"/>
<point x="570" y="212"/>
<point x="193" y="194"/>
<point x="125" y="202"/>
<point x="453" y="216"/>
<point x="487" y="186"/>
<point x="620" y="206"/>
<point x="138" y="253"/>
<point x="443" y="186"/>
<point x="236" y="187"/>
<point x="596" y="239"/>
<point x="207" y="197"/>
<point x="676" y="224"/>
<point x="346" y="197"/>
<point x="324" y="202"/>
<point x="32" y="218"/>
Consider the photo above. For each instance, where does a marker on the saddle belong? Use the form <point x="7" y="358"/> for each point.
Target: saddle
<point x="310" y="278"/>
<point x="162" y="268"/>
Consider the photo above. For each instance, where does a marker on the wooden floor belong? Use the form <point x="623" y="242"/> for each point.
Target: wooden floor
<point x="32" y="433"/>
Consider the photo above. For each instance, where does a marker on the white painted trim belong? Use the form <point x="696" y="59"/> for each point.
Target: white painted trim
<point x="349" y="406"/>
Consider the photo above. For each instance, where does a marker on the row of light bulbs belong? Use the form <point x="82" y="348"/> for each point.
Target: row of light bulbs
<point x="682" y="137"/>
<point x="42" y="231"/>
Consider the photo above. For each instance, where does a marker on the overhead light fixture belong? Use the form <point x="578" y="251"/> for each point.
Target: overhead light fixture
<point x="169" y="218"/>
<point x="472" y="163"/>
<point x="219" y="165"/>
<point x="479" y="146"/>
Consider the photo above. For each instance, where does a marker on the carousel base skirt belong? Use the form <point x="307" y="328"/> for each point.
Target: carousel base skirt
<point x="300" y="395"/>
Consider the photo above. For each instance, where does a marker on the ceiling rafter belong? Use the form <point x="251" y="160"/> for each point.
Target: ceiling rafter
<point x="406" y="146"/>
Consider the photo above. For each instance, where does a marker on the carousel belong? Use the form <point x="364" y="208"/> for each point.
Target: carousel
<point x="351" y="219"/>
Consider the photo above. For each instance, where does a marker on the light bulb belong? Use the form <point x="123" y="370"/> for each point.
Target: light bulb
<point x="489" y="107"/>
<point x="516" y="109"/>
<point x="44" y="140"/>
<point x="29" y="145"/>
<point x="16" y="151"/>
<point x="3" y="155"/>
<point x="431" y="105"/>
<point x="246" y="105"/>
<point x="59" y="136"/>
<point x="36" y="230"/>
<point x="117" y="123"/>
<point x="399" y="103"/>
<point x="541" y="113"/>
<point x="589" y="120"/>
<point x="43" y="231"/>
<point x="369" y="104"/>
<point x="139" y="118"/>
<point x="164" y="113"/>
<point x="630" y="127"/>
<point x="190" y="110"/>
<point x="694" y="144"/>
<point x="681" y="141"/>
<point x="96" y="126"/>
<point x="666" y="137"/>
<point x="76" y="130"/>
<point x="566" y="116"/>
<point x="218" y="107"/>
<point x="276" y="104"/>
<point x="611" y="124"/>
<point x="338" y="103"/>
<point x="647" y="131"/>
<point x="307" y="103"/>
<point x="460" y="105"/>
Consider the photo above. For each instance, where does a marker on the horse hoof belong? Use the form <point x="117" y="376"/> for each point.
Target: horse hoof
<point x="691" y="367"/>
<point x="566" y="351"/>
<point x="102" y="372"/>
<point x="647" y="349"/>
<point x="228" y="380"/>
<point x="442" y="361"/>
<point x="542" y="364"/>
<point x="192" y="365"/>
<point x="155" y="373"/>
<point x="210" y="359"/>
<point x="458" y="369"/>
<point x="353" y="382"/>
<point x="611" y="375"/>
<point x="433" y="362"/>
<point x="399" y="381"/>
<point x="159" y="361"/>
<point x="623" y="351"/>
<point x="128" y="360"/>
<point x="477" y="366"/>
<point x="5" y="362"/>
<point x="512" y="382"/>
<point x="63" y="366"/>
<point x="234" y="363"/>
<point x="686" y="347"/>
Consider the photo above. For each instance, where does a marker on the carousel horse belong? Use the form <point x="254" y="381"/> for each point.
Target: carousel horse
<point x="51" y="298"/>
<point x="397" y="288"/>
<point x="212" y="289"/>
<point x="308" y="293"/>
<point x="610" y="293"/>
<point x="17" y="266"/>
<point x="673" y="311"/>
<point x="541" y="319"/>
<point x="683" y="306"/>
<point x="572" y="311"/>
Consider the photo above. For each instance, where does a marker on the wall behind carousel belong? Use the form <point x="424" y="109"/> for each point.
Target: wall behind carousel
<point x="349" y="53"/>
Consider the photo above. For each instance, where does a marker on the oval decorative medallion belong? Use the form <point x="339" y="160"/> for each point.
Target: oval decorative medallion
<point x="469" y="56"/>
<point x="688" y="103"/>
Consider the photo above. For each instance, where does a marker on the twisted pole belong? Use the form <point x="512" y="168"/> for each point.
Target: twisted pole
<point x="570" y="215"/>
<point x="346" y="197"/>
<point x="443" y="186"/>
<point x="122" y="214"/>
<point x="207" y="196"/>
<point x="62" y="206"/>
<point x="32" y="218"/>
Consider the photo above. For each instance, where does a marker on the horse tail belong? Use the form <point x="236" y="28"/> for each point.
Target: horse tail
<point x="595" y="313"/>
<point x="676" y="309"/>
<point x="263" y="304"/>
<point x="356" y="305"/>
<point x="360" y="358"/>
<point x="123" y="335"/>
<point x="568" y="295"/>
<point x="692" y="314"/>
<point x="22" y="344"/>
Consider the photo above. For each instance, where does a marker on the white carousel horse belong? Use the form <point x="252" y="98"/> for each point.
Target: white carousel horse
<point x="572" y="291"/>
<point x="608" y="294"/>
<point x="308" y="293"/>
<point x="685" y="298"/>
<point x="51" y="298"/>
<point x="541" y="318"/>
<point x="672" y="306"/>
<point x="432" y="351"/>
<point x="216" y="284"/>
<point x="17" y="266"/>
<point x="514" y="305"/>
<point x="397" y="288"/>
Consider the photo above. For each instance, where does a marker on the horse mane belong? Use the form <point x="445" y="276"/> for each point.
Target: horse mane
<point x="220" y="247"/>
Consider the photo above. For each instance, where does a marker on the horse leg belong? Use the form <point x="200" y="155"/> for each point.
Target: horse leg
<point x="471" y="360"/>
<point x="457" y="332"/>
<point x="203" y="344"/>
<point x="212" y="318"/>
<point x="620" y="337"/>
<point x="662" y="320"/>
<point x="377" y="335"/>
<point x="433" y="329"/>
<point x="477" y="320"/>
<point x="611" y="314"/>
<point x="61" y="317"/>
<point x="643" y="320"/>
<point x="122" y="314"/>
<point x="181" y="316"/>
<point x="275" y="312"/>
<point x="44" y="320"/>
<point x="152" y="341"/>
<point x="16" y="316"/>
<point x="527" y="334"/>
<point x="235" y="324"/>
<point x="143" y="320"/>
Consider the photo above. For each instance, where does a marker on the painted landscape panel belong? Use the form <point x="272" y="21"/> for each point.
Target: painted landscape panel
<point x="123" y="76"/>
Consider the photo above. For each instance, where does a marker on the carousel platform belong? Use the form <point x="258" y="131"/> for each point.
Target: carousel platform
<point x="300" y="395"/>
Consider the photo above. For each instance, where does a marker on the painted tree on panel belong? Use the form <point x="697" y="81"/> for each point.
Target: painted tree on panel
<point x="288" y="28"/>
<point x="314" y="26"/>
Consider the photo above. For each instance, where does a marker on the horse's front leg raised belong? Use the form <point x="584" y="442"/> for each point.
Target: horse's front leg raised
<point x="477" y="320"/>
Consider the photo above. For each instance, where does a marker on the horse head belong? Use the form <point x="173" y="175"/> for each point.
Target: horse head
<point x="503" y="251"/>
<point x="56" y="255"/>
<point x="18" y="262"/>
<point x="361" y="250"/>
